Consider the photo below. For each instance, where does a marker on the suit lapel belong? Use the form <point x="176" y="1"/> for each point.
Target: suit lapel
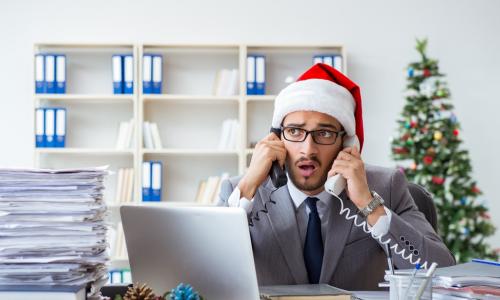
<point x="285" y="229"/>
<point x="336" y="236"/>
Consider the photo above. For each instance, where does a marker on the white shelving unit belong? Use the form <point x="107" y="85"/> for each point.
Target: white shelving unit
<point x="188" y="115"/>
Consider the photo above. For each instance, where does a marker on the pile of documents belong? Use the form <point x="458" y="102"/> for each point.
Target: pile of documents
<point x="52" y="228"/>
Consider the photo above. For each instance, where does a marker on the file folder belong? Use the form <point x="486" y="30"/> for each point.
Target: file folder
<point x="60" y="74"/>
<point x="39" y="73"/>
<point x="250" y="75"/>
<point x="157" y="73"/>
<point x="60" y="128"/>
<point x="50" y="73"/>
<point x="50" y="127"/>
<point x="337" y="62"/>
<point x="40" y="127"/>
<point x="156" y="181"/>
<point x="147" y="72"/>
<point x="128" y="66"/>
<point x="146" y="181"/>
<point x="260" y="75"/>
<point x="117" y="63"/>
<point x="328" y="60"/>
<point x="317" y="59"/>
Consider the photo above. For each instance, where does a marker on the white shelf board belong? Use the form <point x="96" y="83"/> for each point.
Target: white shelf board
<point x="201" y="152"/>
<point x="189" y="98"/>
<point x="94" y="98"/>
<point x="93" y="151"/>
<point x="265" y="98"/>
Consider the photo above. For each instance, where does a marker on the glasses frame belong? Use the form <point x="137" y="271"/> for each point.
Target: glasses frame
<point x="312" y="132"/>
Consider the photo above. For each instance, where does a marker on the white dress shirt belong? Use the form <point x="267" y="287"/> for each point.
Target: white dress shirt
<point x="381" y="227"/>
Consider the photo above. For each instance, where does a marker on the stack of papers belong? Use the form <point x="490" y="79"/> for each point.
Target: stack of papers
<point x="52" y="228"/>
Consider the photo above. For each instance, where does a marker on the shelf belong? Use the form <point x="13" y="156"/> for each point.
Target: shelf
<point x="265" y="98"/>
<point x="189" y="98"/>
<point x="198" y="152"/>
<point x="93" y="151"/>
<point x="88" y="98"/>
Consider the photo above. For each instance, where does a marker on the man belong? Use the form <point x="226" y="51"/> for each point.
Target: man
<point x="298" y="235"/>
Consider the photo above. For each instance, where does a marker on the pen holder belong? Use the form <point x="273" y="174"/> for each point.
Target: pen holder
<point x="406" y="287"/>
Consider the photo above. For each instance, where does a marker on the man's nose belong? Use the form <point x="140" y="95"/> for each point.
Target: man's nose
<point x="308" y="146"/>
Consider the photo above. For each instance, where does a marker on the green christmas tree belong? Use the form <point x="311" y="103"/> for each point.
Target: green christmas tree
<point x="428" y="151"/>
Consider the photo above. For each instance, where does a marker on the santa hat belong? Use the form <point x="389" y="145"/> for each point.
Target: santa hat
<point x="326" y="90"/>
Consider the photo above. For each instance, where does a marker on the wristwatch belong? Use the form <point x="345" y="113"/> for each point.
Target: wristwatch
<point x="376" y="202"/>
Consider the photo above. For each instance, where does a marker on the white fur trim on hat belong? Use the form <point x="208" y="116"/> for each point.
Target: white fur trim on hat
<point x="319" y="95"/>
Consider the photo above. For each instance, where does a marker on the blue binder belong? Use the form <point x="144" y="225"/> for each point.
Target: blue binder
<point x="260" y="75"/>
<point x="60" y="128"/>
<point x="337" y="62"/>
<point x="39" y="73"/>
<point x="147" y="73"/>
<point x="50" y="127"/>
<point x="157" y="73"/>
<point x="40" y="127"/>
<point x="251" y="75"/>
<point x="50" y="73"/>
<point x="60" y="74"/>
<point x="128" y="74"/>
<point x="317" y="59"/>
<point x="146" y="181"/>
<point x="156" y="180"/>
<point x="117" y="67"/>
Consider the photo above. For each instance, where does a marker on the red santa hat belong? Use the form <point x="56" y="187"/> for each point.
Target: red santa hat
<point x="326" y="90"/>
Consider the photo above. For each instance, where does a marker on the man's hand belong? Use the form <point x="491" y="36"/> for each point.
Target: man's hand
<point x="266" y="151"/>
<point x="350" y="165"/>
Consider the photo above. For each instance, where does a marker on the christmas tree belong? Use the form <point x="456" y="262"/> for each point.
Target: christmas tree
<point x="428" y="151"/>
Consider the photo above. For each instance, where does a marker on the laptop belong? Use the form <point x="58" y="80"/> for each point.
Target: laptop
<point x="206" y="247"/>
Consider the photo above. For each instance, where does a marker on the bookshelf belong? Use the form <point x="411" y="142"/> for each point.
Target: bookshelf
<point x="188" y="114"/>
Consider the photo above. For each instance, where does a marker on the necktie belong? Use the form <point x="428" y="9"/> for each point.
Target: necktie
<point x="313" y="248"/>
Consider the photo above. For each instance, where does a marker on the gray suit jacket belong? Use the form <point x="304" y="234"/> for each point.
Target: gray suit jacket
<point x="353" y="260"/>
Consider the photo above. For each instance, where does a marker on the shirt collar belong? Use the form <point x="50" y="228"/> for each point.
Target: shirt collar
<point x="298" y="196"/>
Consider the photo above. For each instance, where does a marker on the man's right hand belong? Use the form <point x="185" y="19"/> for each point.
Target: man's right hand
<point x="266" y="151"/>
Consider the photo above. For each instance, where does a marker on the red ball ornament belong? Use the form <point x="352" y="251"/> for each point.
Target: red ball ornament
<point x="456" y="132"/>
<point x="476" y="190"/>
<point x="413" y="124"/>
<point x="428" y="160"/>
<point x="427" y="73"/>
<point x="437" y="180"/>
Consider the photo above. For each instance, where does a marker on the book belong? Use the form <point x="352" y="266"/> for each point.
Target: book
<point x="16" y="292"/>
<point x="303" y="292"/>
<point x="155" y="132"/>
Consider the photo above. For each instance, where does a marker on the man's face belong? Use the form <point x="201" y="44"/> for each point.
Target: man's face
<point x="307" y="162"/>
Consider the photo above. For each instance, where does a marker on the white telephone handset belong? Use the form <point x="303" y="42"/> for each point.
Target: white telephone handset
<point x="337" y="183"/>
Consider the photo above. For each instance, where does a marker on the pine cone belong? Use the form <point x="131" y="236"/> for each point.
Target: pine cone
<point x="139" y="292"/>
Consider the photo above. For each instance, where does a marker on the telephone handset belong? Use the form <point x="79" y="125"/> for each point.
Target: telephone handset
<point x="277" y="174"/>
<point x="336" y="184"/>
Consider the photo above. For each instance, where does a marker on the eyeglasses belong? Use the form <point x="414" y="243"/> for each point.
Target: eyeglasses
<point x="321" y="136"/>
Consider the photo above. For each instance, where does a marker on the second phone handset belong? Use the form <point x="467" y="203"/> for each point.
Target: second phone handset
<point x="337" y="183"/>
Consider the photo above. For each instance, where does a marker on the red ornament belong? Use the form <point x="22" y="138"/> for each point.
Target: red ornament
<point x="437" y="180"/>
<point x="456" y="132"/>
<point x="400" y="150"/>
<point x="428" y="160"/>
<point x="475" y="190"/>
<point x="413" y="124"/>
<point x="427" y="73"/>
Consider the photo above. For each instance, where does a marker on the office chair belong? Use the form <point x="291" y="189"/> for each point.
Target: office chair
<point x="425" y="203"/>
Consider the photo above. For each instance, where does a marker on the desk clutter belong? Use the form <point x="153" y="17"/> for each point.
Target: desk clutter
<point x="52" y="232"/>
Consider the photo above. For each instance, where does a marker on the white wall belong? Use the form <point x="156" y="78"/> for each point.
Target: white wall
<point x="379" y="37"/>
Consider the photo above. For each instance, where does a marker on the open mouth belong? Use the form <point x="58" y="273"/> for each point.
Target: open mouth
<point x="307" y="169"/>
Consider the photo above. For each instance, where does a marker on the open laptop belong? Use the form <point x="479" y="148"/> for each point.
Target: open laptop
<point x="207" y="247"/>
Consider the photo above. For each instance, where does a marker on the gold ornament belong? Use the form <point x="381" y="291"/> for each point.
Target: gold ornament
<point x="139" y="292"/>
<point x="438" y="135"/>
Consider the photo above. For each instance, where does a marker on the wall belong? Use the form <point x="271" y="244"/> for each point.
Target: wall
<point x="379" y="37"/>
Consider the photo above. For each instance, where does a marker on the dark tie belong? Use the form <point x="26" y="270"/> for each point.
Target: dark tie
<point x="313" y="248"/>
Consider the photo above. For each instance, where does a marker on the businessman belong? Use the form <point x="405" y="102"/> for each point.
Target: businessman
<point x="298" y="235"/>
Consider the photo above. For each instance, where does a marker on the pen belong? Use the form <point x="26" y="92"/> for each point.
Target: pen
<point x="417" y="267"/>
<point x="428" y="276"/>
<point x="389" y="259"/>
<point x="488" y="262"/>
